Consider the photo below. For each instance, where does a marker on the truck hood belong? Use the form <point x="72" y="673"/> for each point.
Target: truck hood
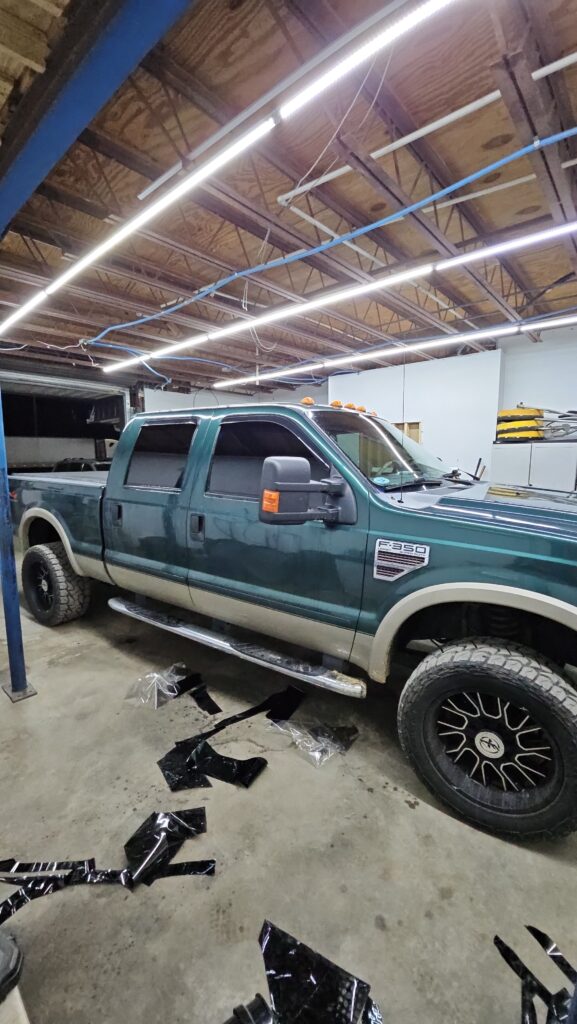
<point x="518" y="508"/>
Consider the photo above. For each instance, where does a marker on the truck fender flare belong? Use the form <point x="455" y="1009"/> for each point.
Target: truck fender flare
<point x="41" y="513"/>
<point x="446" y="593"/>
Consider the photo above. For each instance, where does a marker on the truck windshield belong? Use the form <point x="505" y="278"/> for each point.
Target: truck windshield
<point x="386" y="456"/>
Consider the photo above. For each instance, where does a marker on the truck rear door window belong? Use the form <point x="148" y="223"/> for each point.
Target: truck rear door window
<point x="159" y="457"/>
<point x="240" y="451"/>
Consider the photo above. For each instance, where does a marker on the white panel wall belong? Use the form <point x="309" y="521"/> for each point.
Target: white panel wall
<point x="542" y="374"/>
<point x="45" y="451"/>
<point x="156" y="400"/>
<point x="455" y="400"/>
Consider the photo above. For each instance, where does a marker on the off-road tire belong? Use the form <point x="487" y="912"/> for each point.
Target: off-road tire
<point x="70" y="594"/>
<point x="529" y="682"/>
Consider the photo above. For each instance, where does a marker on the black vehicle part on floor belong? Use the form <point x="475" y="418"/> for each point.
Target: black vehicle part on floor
<point x="561" y="1005"/>
<point x="149" y="852"/>
<point x="255" y="1012"/>
<point x="10" y="965"/>
<point x="188" y="764"/>
<point x="305" y="987"/>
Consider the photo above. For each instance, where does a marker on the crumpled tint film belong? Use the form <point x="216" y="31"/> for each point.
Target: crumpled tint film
<point x="561" y="1005"/>
<point x="159" y="838"/>
<point x="307" y="988"/>
<point x="188" y="764"/>
<point x="149" y="852"/>
<point x="227" y="769"/>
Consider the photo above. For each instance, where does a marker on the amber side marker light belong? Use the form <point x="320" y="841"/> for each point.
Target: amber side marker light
<point x="351" y="405"/>
<point x="336" y="404"/>
<point x="307" y="400"/>
<point x="270" y="501"/>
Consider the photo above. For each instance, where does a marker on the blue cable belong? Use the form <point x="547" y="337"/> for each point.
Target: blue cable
<point x="318" y="379"/>
<point x="392" y="218"/>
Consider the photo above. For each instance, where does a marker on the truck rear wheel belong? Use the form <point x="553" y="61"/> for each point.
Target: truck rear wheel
<point x="53" y="591"/>
<point x="491" y="729"/>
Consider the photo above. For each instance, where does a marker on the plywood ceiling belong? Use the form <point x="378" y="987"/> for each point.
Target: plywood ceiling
<point x="222" y="57"/>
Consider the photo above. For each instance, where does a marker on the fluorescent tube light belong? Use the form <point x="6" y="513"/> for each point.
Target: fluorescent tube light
<point x="332" y="297"/>
<point x="168" y="199"/>
<point x="522" y="242"/>
<point x="21" y="312"/>
<point x="360" y="55"/>
<point x="283" y="313"/>
<point x="144" y="217"/>
<point x="392" y="351"/>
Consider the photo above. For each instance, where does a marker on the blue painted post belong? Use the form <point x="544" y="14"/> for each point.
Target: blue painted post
<point x="19" y="688"/>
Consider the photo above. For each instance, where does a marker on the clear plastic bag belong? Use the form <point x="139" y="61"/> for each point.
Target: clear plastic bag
<point x="318" y="742"/>
<point x="157" y="688"/>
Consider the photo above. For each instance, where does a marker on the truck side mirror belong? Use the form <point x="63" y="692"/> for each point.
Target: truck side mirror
<point x="286" y="487"/>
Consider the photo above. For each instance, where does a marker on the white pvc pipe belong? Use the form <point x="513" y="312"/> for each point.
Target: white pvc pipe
<point x="374" y="259"/>
<point x="485" y="191"/>
<point x="428" y="129"/>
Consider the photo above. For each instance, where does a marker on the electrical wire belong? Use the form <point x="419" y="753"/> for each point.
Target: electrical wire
<point x="301" y="254"/>
<point x="319" y="379"/>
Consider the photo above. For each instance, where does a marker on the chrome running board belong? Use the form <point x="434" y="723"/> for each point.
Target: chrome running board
<point x="327" y="679"/>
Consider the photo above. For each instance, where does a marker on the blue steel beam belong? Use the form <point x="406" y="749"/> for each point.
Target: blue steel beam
<point x="94" y="57"/>
<point x="19" y="687"/>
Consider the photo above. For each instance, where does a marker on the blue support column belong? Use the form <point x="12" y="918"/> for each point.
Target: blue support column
<point x="18" y="688"/>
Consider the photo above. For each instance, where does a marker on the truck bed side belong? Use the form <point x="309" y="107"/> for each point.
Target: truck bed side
<point x="66" y="507"/>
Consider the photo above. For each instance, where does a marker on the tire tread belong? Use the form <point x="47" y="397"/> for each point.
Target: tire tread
<point x="538" y="675"/>
<point x="72" y="592"/>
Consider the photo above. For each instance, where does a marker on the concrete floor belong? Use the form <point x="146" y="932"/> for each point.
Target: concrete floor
<point x="355" y="858"/>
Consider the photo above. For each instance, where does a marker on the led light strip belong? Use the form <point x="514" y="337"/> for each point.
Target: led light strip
<point x="391" y="351"/>
<point x="357" y="57"/>
<point x="383" y="39"/>
<point x="334" y="297"/>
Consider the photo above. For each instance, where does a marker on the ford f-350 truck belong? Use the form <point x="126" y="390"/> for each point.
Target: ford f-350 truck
<point x="321" y="541"/>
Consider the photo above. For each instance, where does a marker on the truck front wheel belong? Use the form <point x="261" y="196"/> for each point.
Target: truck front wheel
<point x="53" y="591"/>
<point x="491" y="729"/>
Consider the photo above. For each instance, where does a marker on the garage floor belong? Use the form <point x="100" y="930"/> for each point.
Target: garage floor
<point x="354" y="858"/>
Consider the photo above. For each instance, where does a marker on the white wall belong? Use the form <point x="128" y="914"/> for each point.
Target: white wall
<point x="541" y="374"/>
<point x="45" y="451"/>
<point x="455" y="400"/>
<point x="157" y="400"/>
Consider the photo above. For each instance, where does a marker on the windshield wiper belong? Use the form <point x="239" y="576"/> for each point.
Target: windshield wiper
<point x="417" y="482"/>
<point x="455" y="478"/>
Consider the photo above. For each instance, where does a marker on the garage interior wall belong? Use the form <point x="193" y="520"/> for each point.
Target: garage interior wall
<point x="542" y="374"/>
<point x="455" y="400"/>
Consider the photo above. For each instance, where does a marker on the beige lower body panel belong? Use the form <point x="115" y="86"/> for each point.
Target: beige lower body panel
<point x="92" y="567"/>
<point x="296" y="629"/>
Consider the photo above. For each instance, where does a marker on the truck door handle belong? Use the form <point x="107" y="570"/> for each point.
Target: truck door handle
<point x="118" y="514"/>
<point x="196" y="525"/>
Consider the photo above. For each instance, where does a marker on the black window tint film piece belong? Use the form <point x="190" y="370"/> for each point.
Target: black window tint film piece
<point x="306" y="987"/>
<point x="159" y="456"/>
<point x="188" y="764"/>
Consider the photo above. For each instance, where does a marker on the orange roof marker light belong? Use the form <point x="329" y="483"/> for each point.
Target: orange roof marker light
<point x="351" y="405"/>
<point x="307" y="400"/>
<point x="373" y="412"/>
<point x="361" y="408"/>
<point x="336" y="404"/>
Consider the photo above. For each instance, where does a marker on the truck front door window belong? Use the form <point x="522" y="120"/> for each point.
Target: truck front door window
<point x="241" y="448"/>
<point x="159" y="456"/>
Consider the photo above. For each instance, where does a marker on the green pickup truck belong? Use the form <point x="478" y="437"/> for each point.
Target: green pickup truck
<point x="320" y="542"/>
